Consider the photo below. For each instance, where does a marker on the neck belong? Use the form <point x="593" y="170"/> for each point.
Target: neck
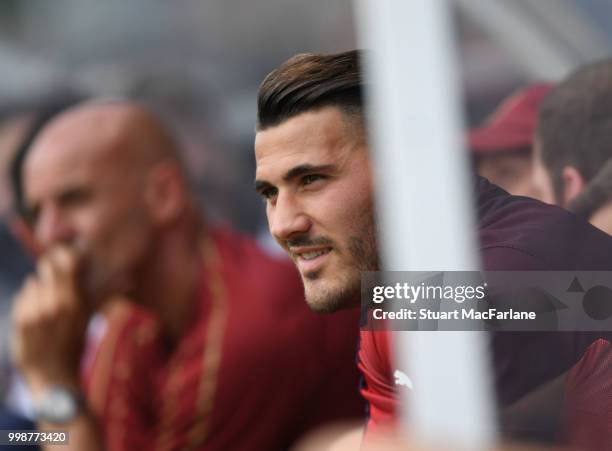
<point x="602" y="218"/>
<point x="170" y="283"/>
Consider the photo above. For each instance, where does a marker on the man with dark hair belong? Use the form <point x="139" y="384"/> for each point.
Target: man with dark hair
<point x="313" y="170"/>
<point x="574" y="144"/>
<point x="331" y="90"/>
<point x="216" y="351"/>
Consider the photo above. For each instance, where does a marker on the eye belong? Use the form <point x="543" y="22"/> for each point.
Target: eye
<point x="268" y="193"/>
<point x="75" y="197"/>
<point x="311" y="178"/>
<point x="31" y="214"/>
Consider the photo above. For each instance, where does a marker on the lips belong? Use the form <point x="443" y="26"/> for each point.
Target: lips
<point x="313" y="254"/>
<point x="310" y="259"/>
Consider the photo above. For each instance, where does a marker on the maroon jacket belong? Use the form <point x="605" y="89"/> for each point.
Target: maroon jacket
<point x="255" y="370"/>
<point x="533" y="371"/>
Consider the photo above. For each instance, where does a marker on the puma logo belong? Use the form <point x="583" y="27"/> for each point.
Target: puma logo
<point x="402" y="379"/>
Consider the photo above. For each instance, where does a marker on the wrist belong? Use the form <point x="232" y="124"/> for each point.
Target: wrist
<point x="58" y="405"/>
<point x="39" y="385"/>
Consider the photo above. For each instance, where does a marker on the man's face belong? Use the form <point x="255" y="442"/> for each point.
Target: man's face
<point x="511" y="171"/>
<point x="82" y="194"/>
<point x="542" y="180"/>
<point x="314" y="174"/>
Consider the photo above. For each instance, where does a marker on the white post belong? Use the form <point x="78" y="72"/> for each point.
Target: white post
<point x="425" y="214"/>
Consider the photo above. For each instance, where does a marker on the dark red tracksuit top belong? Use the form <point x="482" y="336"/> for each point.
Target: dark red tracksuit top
<point x="522" y="234"/>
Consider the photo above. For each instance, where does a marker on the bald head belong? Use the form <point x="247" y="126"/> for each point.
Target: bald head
<point x="126" y="132"/>
<point x="106" y="178"/>
<point x="101" y="139"/>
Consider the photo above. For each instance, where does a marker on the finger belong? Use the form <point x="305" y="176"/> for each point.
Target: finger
<point x="66" y="259"/>
<point x="23" y="296"/>
<point x="64" y="262"/>
<point x="55" y="291"/>
<point x="47" y="280"/>
<point x="26" y="304"/>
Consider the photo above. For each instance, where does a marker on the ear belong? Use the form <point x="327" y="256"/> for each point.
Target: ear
<point x="165" y="193"/>
<point x="573" y="184"/>
<point x="25" y="235"/>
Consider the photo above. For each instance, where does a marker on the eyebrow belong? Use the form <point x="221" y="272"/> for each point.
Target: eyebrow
<point x="260" y="185"/>
<point x="294" y="173"/>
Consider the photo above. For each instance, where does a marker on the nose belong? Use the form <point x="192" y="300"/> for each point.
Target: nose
<point x="52" y="227"/>
<point x="286" y="218"/>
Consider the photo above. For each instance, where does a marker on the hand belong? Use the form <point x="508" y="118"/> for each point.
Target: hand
<point x="49" y="322"/>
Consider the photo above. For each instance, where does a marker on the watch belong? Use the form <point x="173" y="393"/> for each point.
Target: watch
<point x="59" y="405"/>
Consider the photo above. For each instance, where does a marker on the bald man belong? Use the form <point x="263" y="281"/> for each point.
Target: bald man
<point x="218" y="354"/>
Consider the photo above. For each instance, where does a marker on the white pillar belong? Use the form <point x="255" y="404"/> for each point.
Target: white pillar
<point x="425" y="213"/>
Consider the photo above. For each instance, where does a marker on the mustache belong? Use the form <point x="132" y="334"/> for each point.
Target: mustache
<point x="304" y="240"/>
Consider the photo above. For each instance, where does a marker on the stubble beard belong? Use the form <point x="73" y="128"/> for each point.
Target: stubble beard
<point x="102" y="280"/>
<point x="329" y="296"/>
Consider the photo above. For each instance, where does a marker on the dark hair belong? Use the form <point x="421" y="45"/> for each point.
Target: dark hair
<point x="308" y="82"/>
<point x="42" y="116"/>
<point x="575" y="123"/>
<point x="596" y="194"/>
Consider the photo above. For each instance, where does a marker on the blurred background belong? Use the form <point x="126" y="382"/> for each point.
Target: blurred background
<point x="199" y="63"/>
